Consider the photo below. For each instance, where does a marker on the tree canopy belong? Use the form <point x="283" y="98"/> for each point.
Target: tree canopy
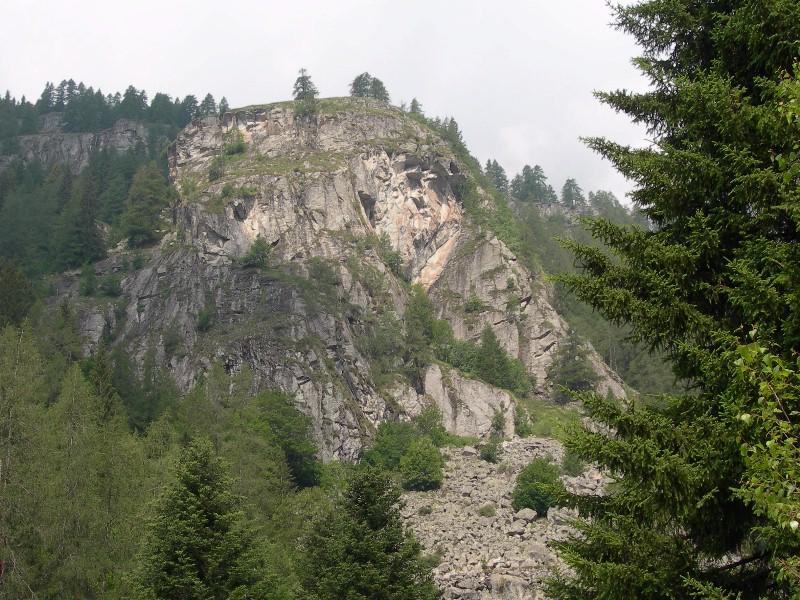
<point x="694" y="511"/>
<point x="367" y="86"/>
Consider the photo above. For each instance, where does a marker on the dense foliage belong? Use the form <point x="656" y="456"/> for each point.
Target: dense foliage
<point x="84" y="109"/>
<point x="535" y="487"/>
<point x="359" y="549"/>
<point x="198" y="545"/>
<point x="571" y="370"/>
<point x="421" y="465"/>
<point x="367" y="86"/>
<point x="427" y="337"/>
<point x="706" y="502"/>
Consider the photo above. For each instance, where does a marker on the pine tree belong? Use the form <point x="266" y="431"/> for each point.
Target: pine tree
<point x="198" y="546"/>
<point x="570" y="370"/>
<point x="148" y="195"/>
<point x="101" y="376"/>
<point x="223" y="106"/>
<point x="378" y="91"/>
<point x="161" y="109"/>
<point x="188" y="110"/>
<point x="16" y="294"/>
<point x="360" y="87"/>
<point x="45" y="102"/>
<point x="78" y="238"/>
<point x="305" y="94"/>
<point x="22" y="400"/>
<point x="572" y="194"/>
<point x="531" y="186"/>
<point x="361" y="548"/>
<point x="133" y="104"/>
<point x="497" y="175"/>
<point x="419" y="327"/>
<point x="720" y="261"/>
<point x="208" y="106"/>
<point x="416" y="107"/>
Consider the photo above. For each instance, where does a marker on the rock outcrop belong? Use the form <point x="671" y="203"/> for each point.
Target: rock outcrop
<point x="52" y="146"/>
<point x="322" y="196"/>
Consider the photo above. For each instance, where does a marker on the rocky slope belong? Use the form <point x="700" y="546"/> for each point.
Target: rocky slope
<point x="320" y="193"/>
<point x="485" y="549"/>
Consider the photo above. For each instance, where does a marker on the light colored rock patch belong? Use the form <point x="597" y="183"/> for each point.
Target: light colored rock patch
<point x="500" y="557"/>
<point x="468" y="405"/>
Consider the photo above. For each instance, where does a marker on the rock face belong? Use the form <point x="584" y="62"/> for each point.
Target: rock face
<point x="467" y="405"/>
<point x="322" y="195"/>
<point x="52" y="146"/>
<point x="486" y="550"/>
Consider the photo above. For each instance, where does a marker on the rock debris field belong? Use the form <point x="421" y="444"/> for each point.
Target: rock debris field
<point x="502" y="555"/>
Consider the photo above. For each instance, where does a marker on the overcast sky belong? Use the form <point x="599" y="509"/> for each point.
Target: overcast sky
<point x="517" y="75"/>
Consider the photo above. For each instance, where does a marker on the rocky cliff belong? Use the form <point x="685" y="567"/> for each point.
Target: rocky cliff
<point x="52" y="146"/>
<point x="320" y="194"/>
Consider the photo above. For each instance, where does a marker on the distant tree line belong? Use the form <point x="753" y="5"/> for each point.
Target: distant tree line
<point x="85" y="109"/>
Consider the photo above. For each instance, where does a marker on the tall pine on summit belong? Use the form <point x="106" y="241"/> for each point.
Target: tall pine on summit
<point x="720" y="186"/>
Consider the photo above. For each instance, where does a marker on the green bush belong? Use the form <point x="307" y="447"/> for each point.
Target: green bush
<point x="425" y="510"/>
<point x="390" y="257"/>
<point x="228" y="190"/>
<point x="572" y="464"/>
<point x="499" y="423"/>
<point x="487" y="510"/>
<point x="429" y="423"/>
<point x="110" y="285"/>
<point x="522" y="422"/>
<point x="490" y="450"/>
<point x="88" y="281"/>
<point x="391" y="443"/>
<point x="258" y="255"/>
<point x="535" y="485"/>
<point x="206" y="317"/>
<point x="217" y="168"/>
<point x="474" y="305"/>
<point x="421" y="466"/>
<point x="172" y="341"/>
<point x="321" y="272"/>
<point x="234" y="143"/>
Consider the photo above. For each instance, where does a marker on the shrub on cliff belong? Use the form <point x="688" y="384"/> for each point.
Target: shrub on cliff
<point x="258" y="255"/>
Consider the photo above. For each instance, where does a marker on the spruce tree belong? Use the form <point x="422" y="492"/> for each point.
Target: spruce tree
<point x="198" y="546"/>
<point x="78" y="238"/>
<point x="572" y="194"/>
<point x="360" y="549"/>
<point x="719" y="186"/>
<point x="305" y="95"/>
<point x="360" y="86"/>
<point x="223" y="106"/>
<point x="497" y="175"/>
<point x="148" y="195"/>
<point x="208" y="106"/>
<point x="570" y="370"/>
<point x="16" y="294"/>
<point x="416" y="107"/>
<point x="188" y="110"/>
<point x="378" y="91"/>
